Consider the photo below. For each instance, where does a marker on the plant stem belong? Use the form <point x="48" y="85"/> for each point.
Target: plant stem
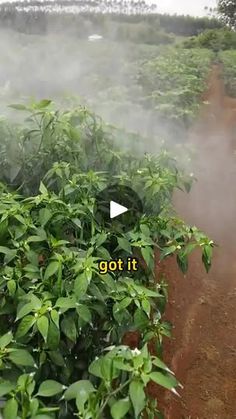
<point x="117" y="390"/>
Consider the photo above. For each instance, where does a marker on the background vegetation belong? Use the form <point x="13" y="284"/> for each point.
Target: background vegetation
<point x="134" y="21"/>
<point x="62" y="322"/>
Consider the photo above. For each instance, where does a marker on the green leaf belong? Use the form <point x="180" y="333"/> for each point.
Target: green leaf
<point x="53" y="338"/>
<point x="43" y="104"/>
<point x="74" y="133"/>
<point x="18" y="107"/>
<point x="3" y="230"/>
<point x="95" y="368"/>
<point x="35" y="301"/>
<point x="96" y="292"/>
<point x="145" y="230"/>
<point x="167" y="251"/>
<point x="77" y="222"/>
<point x="44" y="216"/>
<point x="34" y="405"/>
<point x="51" y="269"/>
<point x="11" y="285"/>
<point x="107" y="368"/>
<point x="79" y="388"/>
<point x="50" y="388"/>
<point x="121" y="316"/>
<point x="68" y="327"/>
<point x="81" y="285"/>
<point x="100" y="239"/>
<point x="25" y="325"/>
<point x="147" y="292"/>
<point x="118" y="309"/>
<point x="124" y="245"/>
<point x="146" y="307"/>
<point x="57" y="358"/>
<point x="123" y="303"/>
<point x="147" y="253"/>
<point x="207" y="257"/>
<point x="6" y="339"/>
<point x="182" y="261"/>
<point x="120" y="365"/>
<point x="166" y="381"/>
<point x="41" y="232"/>
<point x="65" y="303"/>
<point x="9" y="254"/>
<point x="35" y="239"/>
<point x="55" y="317"/>
<point x="137" y="397"/>
<point x="32" y="257"/>
<point x="189" y="249"/>
<point x="84" y="312"/>
<point x="22" y="357"/>
<point x="32" y="273"/>
<point x="140" y="319"/>
<point x="20" y="219"/>
<point x="155" y="189"/>
<point x="103" y="253"/>
<point x="6" y="387"/>
<point x="43" y="189"/>
<point x="22" y="380"/>
<point x="120" y="408"/>
<point x="160" y="364"/>
<point x="10" y="409"/>
<point x="23" y="310"/>
<point x="43" y="325"/>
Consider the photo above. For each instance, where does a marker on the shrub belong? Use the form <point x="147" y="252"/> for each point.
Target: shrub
<point x="63" y="347"/>
<point x="229" y="60"/>
<point x="220" y="39"/>
<point x="143" y="34"/>
<point x="174" y="82"/>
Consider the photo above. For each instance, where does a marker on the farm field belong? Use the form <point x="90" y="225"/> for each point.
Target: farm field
<point x="156" y="112"/>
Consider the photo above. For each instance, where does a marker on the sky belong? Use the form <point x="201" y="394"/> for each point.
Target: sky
<point x="191" y="7"/>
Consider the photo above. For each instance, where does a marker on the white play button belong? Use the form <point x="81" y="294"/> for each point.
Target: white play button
<point x="116" y="209"/>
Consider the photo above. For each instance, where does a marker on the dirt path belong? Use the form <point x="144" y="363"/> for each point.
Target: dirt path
<point x="203" y="351"/>
<point x="203" y="307"/>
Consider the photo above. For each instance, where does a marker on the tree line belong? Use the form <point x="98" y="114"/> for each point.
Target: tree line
<point x="131" y="20"/>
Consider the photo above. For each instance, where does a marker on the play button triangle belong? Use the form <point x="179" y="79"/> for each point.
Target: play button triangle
<point x="116" y="209"/>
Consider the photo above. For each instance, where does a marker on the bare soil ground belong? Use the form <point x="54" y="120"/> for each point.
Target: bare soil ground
<point x="202" y="307"/>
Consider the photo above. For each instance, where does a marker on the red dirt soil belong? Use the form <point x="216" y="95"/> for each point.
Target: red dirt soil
<point x="202" y="307"/>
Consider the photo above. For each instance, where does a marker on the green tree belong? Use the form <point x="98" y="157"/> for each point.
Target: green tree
<point x="227" y="12"/>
